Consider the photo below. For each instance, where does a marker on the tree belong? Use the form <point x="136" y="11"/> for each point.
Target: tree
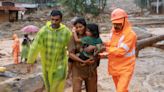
<point x="84" y="6"/>
<point x="143" y="4"/>
<point x="148" y="42"/>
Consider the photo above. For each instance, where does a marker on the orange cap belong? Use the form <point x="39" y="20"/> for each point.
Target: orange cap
<point x="118" y="20"/>
<point x="117" y="15"/>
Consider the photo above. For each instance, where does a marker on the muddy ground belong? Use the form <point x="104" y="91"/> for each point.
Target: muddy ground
<point x="148" y="75"/>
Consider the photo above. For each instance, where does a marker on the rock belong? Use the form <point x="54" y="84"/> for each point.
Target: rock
<point x="156" y="31"/>
<point x="159" y="45"/>
<point x="6" y="25"/>
<point x="29" y="84"/>
<point x="2" y="54"/>
<point x="8" y="74"/>
<point x="2" y="69"/>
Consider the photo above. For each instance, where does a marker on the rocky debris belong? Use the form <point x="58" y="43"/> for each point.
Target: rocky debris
<point x="18" y="79"/>
<point x="141" y="33"/>
<point x="15" y="27"/>
<point x="149" y="21"/>
<point x="8" y="74"/>
<point x="156" y="31"/>
<point x="159" y="45"/>
<point x="40" y="15"/>
<point x="38" y="19"/>
<point x="2" y="54"/>
<point x="33" y="83"/>
<point x="148" y="75"/>
<point x="128" y="5"/>
<point x="141" y="82"/>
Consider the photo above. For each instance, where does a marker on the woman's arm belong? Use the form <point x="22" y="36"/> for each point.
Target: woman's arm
<point x="75" y="35"/>
<point x="71" y="50"/>
<point x="76" y="58"/>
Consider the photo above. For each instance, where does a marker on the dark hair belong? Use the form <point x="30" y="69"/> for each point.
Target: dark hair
<point x="25" y="42"/>
<point x="94" y="29"/>
<point x="26" y="35"/>
<point x="56" y="13"/>
<point x="81" y="21"/>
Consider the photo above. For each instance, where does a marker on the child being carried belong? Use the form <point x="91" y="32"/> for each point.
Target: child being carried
<point x="93" y="39"/>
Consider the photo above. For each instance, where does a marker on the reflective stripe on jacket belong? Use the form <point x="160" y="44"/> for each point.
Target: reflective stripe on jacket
<point x="121" y="48"/>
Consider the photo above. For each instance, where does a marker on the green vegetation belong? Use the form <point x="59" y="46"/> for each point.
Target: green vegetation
<point x="24" y="0"/>
<point x="84" y="6"/>
<point x="142" y="3"/>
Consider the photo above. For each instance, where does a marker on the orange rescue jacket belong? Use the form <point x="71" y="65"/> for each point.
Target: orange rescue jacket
<point x="121" y="48"/>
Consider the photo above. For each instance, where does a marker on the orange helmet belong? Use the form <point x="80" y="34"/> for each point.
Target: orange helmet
<point x="118" y="14"/>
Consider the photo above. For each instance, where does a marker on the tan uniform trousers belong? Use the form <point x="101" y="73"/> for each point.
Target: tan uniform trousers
<point x="86" y="74"/>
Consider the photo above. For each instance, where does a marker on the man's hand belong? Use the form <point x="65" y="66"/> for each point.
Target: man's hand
<point x="103" y="54"/>
<point x="102" y="48"/>
<point x="89" y="61"/>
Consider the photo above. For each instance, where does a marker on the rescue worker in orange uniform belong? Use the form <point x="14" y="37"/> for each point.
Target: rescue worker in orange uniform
<point x="16" y="48"/>
<point x="121" y="50"/>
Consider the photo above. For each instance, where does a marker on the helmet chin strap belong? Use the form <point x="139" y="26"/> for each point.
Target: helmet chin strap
<point x="123" y="24"/>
